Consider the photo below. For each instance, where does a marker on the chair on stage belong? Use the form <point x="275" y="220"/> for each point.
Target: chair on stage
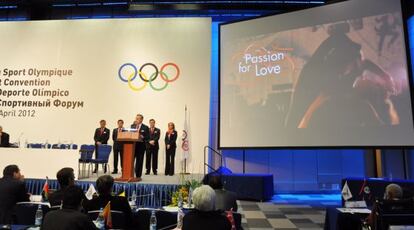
<point x="26" y="212"/>
<point x="103" y="157"/>
<point x="118" y="218"/>
<point x="86" y="154"/>
<point x="35" y="146"/>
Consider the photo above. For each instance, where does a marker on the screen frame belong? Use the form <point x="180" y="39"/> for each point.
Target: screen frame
<point x="405" y="17"/>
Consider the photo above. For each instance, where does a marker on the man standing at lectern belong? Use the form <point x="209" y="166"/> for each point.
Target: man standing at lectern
<point x="152" y="149"/>
<point x="141" y="144"/>
<point x="101" y="137"/>
<point x="118" y="146"/>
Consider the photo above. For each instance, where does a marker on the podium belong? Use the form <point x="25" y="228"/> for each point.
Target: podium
<point x="128" y="139"/>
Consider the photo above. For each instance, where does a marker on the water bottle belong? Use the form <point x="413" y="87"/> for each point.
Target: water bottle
<point x="39" y="216"/>
<point x="180" y="200"/>
<point x="134" y="198"/>
<point x="100" y="221"/>
<point x="153" y="221"/>
<point x="180" y="217"/>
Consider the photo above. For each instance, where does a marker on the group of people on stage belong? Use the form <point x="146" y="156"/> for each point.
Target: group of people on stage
<point x="147" y="145"/>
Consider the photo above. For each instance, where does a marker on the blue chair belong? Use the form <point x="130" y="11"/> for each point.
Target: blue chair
<point x="103" y="157"/>
<point x="55" y="146"/>
<point x="74" y="146"/>
<point x="35" y="145"/>
<point x="86" y="154"/>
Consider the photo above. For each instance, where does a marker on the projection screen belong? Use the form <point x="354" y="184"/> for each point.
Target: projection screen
<point x="329" y="76"/>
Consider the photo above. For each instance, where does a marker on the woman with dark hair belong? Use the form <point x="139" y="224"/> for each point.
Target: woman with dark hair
<point x="170" y="146"/>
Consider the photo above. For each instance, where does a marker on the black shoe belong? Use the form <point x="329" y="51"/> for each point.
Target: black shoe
<point x="114" y="172"/>
<point x="94" y="171"/>
<point x="104" y="170"/>
<point x="155" y="173"/>
<point x="147" y="173"/>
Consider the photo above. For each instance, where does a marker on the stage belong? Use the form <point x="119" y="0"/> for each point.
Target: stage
<point x="152" y="191"/>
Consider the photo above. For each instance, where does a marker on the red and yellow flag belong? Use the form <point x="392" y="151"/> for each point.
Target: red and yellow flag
<point x="107" y="214"/>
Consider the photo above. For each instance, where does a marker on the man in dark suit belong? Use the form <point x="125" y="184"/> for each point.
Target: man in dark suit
<point x="4" y="138"/>
<point x="70" y="216"/>
<point x="66" y="178"/>
<point x="141" y="144"/>
<point x="118" y="146"/>
<point x="104" y="185"/>
<point x="225" y="200"/>
<point x="101" y="137"/>
<point x="152" y="148"/>
<point x="12" y="190"/>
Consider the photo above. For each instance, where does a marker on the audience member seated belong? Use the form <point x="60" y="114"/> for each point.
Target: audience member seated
<point x="225" y="200"/>
<point x="205" y="217"/>
<point x="104" y="185"/>
<point x="65" y="177"/>
<point x="4" y="138"/>
<point x="70" y="216"/>
<point x="392" y="192"/>
<point x="12" y="190"/>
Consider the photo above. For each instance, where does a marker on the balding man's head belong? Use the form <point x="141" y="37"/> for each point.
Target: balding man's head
<point x="393" y="192"/>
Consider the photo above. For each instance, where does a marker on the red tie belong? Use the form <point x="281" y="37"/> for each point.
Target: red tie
<point x="102" y="131"/>
<point x="152" y="130"/>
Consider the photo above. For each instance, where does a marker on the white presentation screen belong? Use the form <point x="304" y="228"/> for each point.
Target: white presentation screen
<point x="58" y="79"/>
<point x="334" y="75"/>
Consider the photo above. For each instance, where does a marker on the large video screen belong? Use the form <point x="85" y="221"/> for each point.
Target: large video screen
<point x="329" y="76"/>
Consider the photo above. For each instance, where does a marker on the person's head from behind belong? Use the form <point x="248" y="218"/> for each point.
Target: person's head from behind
<point x="72" y="197"/>
<point x="12" y="171"/>
<point x="393" y="192"/>
<point x="204" y="198"/>
<point x="215" y="182"/>
<point x="1" y="129"/>
<point x="104" y="184"/>
<point x="65" y="177"/>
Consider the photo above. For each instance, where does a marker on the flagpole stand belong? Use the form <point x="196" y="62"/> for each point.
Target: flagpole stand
<point x="184" y="168"/>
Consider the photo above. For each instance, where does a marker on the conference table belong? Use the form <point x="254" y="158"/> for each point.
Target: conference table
<point x="39" y="163"/>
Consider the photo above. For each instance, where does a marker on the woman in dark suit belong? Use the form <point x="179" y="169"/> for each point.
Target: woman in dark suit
<point x="170" y="146"/>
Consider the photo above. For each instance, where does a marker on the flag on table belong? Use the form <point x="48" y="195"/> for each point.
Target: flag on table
<point x="185" y="146"/>
<point x="45" y="190"/>
<point x="107" y="214"/>
<point x="122" y="194"/>
<point x="346" y="192"/>
<point x="91" y="191"/>
<point x="230" y="217"/>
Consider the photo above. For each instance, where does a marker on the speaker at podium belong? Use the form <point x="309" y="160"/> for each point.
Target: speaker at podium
<point x="128" y="138"/>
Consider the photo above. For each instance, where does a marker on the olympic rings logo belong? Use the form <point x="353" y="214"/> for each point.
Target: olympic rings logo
<point x="128" y="72"/>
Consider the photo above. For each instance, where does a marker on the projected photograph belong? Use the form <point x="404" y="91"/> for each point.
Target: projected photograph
<point x="342" y="75"/>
